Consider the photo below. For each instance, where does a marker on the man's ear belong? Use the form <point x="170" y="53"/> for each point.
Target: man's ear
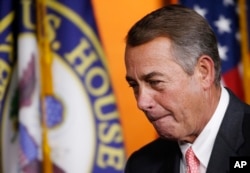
<point x="206" y="71"/>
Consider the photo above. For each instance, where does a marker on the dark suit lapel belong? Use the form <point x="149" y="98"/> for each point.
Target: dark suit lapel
<point x="229" y="137"/>
<point x="172" y="163"/>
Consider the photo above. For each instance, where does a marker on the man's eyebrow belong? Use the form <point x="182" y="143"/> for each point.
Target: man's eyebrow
<point x="146" y="76"/>
<point x="151" y="75"/>
<point x="128" y="78"/>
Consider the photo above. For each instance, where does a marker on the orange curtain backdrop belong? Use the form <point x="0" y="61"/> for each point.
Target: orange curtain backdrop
<point x="114" y="18"/>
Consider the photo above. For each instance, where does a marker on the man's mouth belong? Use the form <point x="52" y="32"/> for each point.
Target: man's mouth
<point x="156" y="118"/>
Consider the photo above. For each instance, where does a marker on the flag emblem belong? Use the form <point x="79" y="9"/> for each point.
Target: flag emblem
<point x="84" y="131"/>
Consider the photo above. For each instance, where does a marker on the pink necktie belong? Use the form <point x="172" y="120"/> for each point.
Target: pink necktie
<point x="192" y="161"/>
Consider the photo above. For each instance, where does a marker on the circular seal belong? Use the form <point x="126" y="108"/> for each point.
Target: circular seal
<point x="84" y="132"/>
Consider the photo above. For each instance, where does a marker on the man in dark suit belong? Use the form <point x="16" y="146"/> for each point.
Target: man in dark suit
<point x="173" y="66"/>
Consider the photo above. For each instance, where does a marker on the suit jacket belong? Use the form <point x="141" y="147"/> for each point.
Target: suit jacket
<point x="233" y="139"/>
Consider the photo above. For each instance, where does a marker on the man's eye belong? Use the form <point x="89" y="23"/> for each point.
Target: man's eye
<point x="155" y="82"/>
<point x="132" y="84"/>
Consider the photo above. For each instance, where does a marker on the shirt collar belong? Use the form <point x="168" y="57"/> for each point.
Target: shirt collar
<point x="203" y="144"/>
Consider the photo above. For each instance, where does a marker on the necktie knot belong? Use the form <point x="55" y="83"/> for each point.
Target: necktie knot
<point x="192" y="161"/>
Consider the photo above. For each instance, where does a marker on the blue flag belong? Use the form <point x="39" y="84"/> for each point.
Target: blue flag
<point x="81" y="117"/>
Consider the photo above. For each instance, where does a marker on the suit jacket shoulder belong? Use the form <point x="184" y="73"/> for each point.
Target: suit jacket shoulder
<point x="158" y="156"/>
<point x="233" y="138"/>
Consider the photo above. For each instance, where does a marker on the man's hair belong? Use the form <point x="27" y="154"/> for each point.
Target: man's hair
<point x="190" y="35"/>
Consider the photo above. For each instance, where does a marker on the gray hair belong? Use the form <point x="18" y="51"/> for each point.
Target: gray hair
<point x="190" y="35"/>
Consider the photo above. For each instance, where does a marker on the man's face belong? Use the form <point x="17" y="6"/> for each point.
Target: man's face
<point x="170" y="98"/>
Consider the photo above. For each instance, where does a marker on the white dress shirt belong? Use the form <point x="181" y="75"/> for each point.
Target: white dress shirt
<point x="203" y="144"/>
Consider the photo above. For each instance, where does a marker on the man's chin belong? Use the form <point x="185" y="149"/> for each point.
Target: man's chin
<point x="167" y="136"/>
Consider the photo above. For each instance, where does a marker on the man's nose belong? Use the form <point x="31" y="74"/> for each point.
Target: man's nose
<point x="144" y="100"/>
